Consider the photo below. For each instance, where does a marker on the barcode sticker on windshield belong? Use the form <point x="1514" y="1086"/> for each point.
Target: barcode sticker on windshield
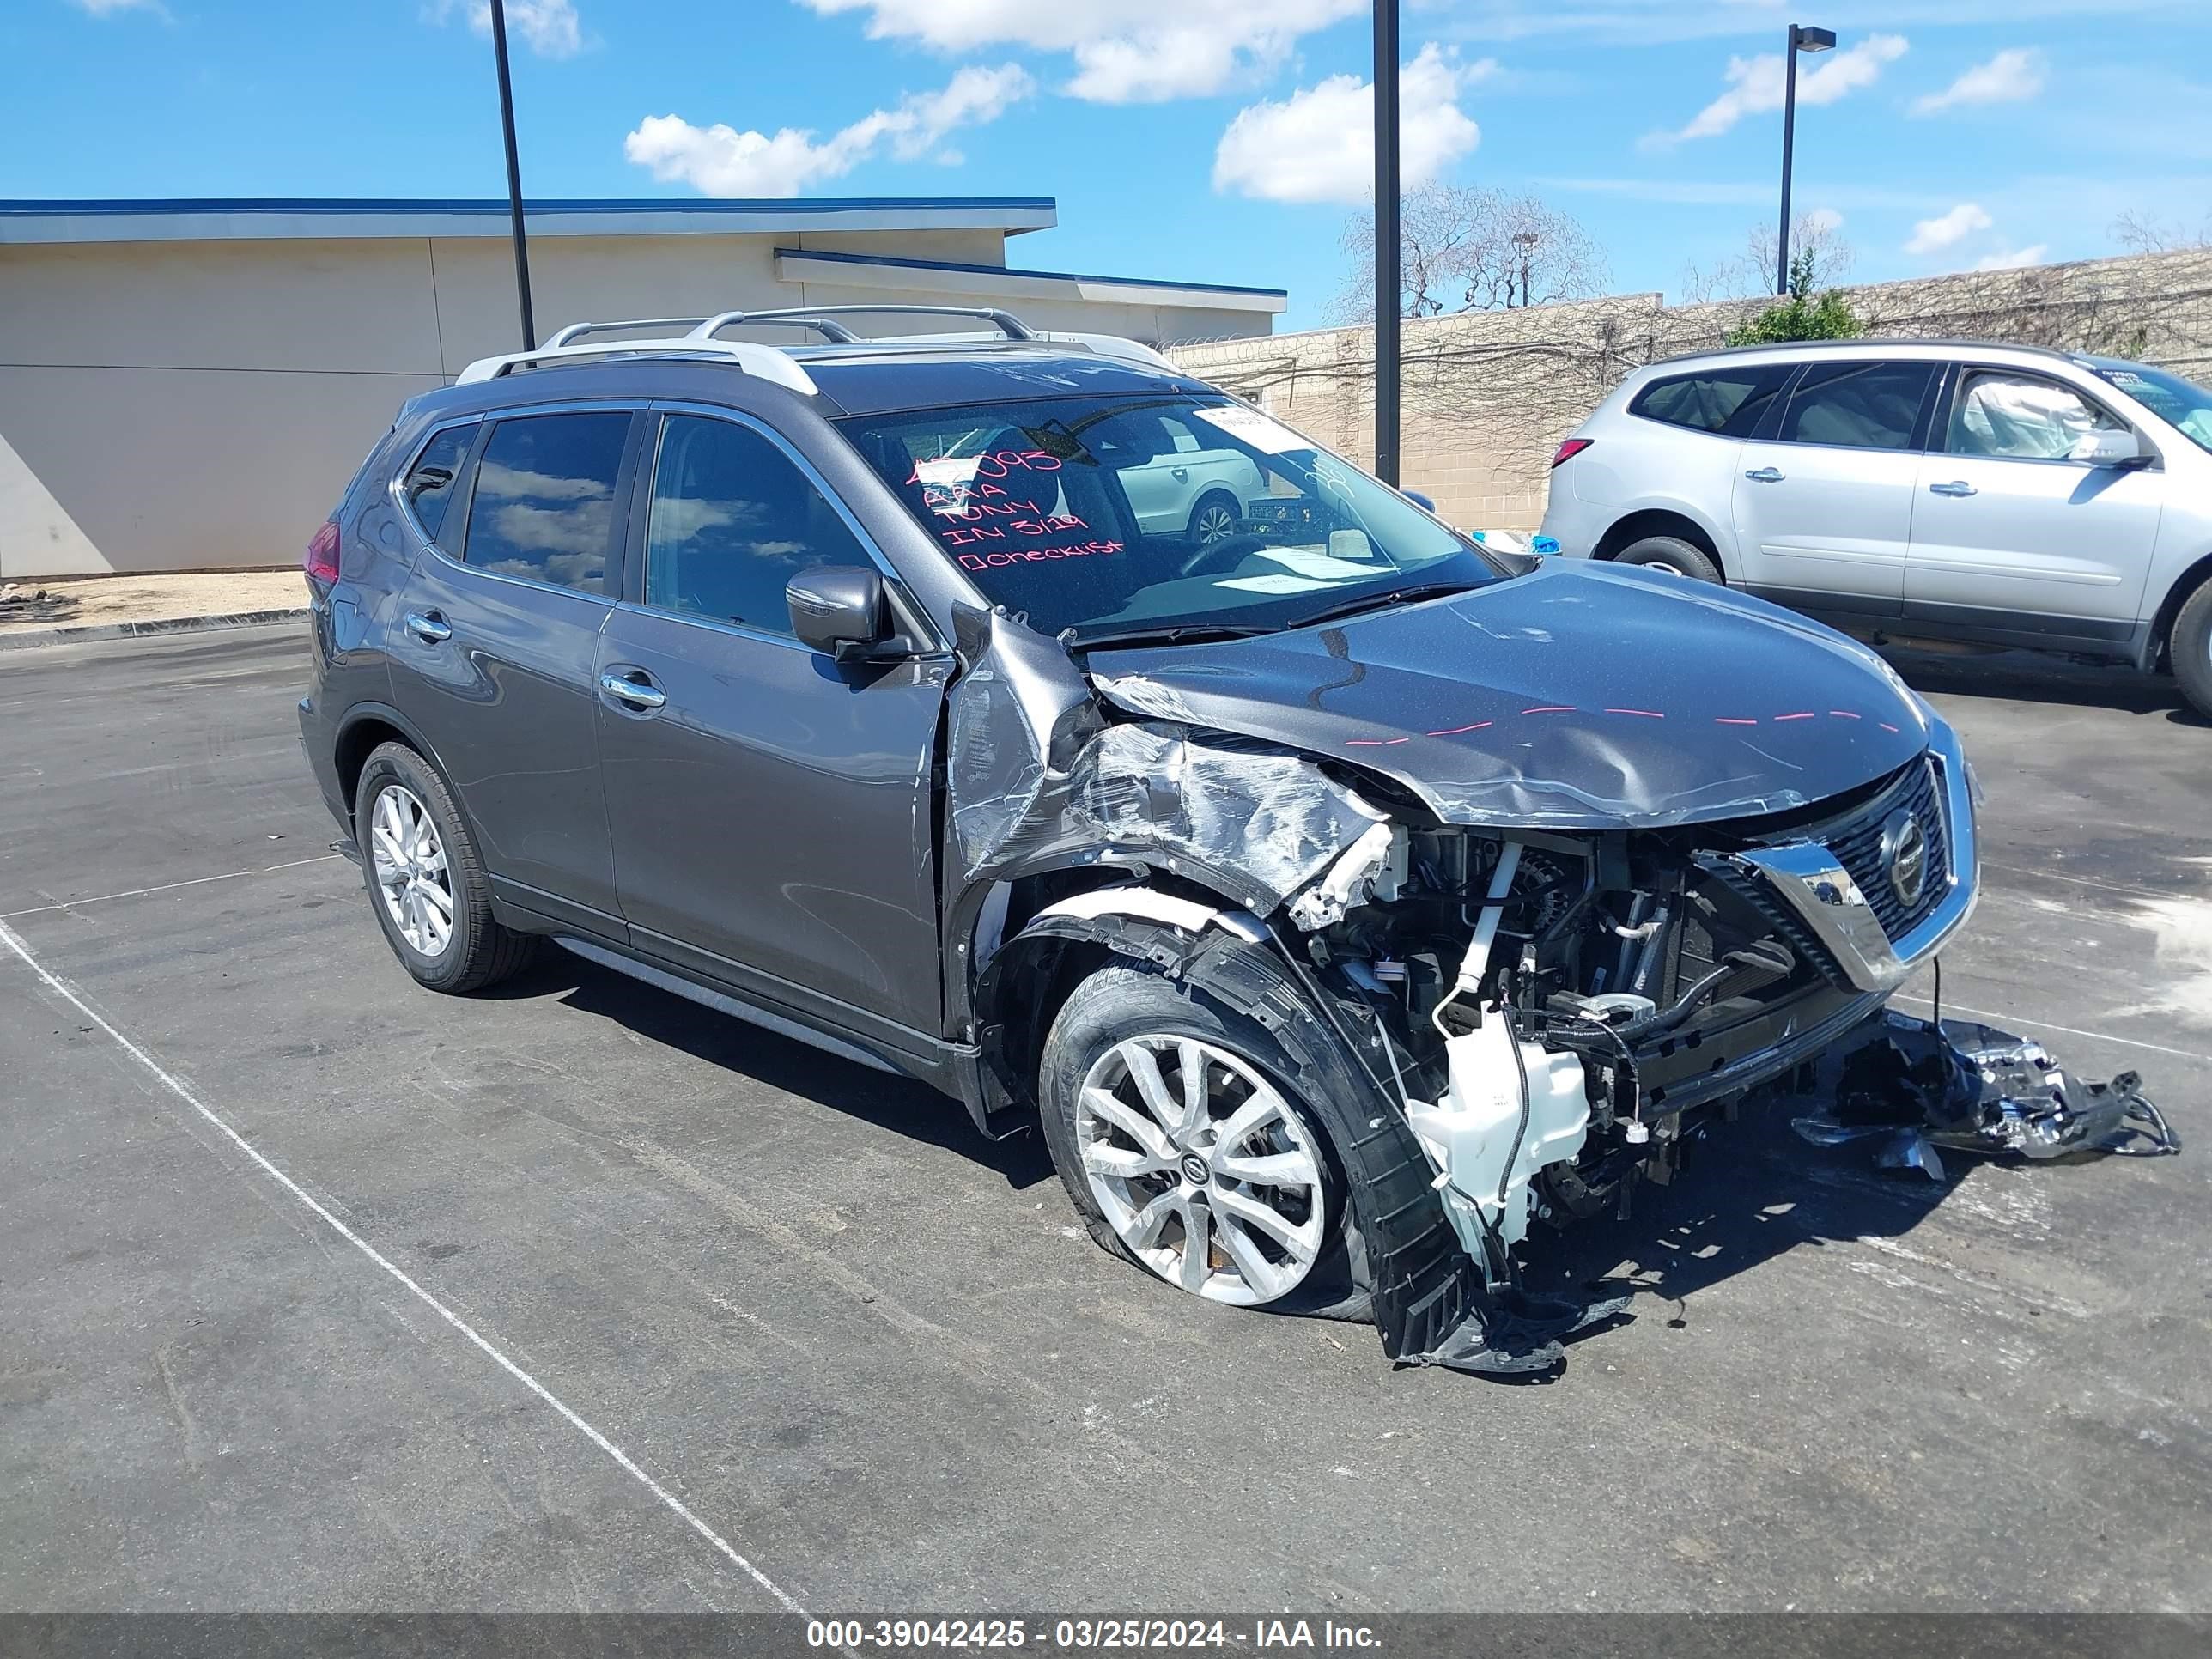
<point x="1249" y="425"/>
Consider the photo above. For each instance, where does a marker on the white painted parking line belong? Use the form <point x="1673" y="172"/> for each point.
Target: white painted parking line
<point x="2011" y="1020"/>
<point x="167" y="886"/>
<point x="67" y="994"/>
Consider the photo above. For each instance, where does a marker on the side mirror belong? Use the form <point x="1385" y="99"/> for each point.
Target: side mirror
<point x="1418" y="500"/>
<point x="2107" y="448"/>
<point x="839" y="609"/>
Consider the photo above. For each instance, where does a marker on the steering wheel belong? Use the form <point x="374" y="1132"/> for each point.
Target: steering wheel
<point x="1221" y="555"/>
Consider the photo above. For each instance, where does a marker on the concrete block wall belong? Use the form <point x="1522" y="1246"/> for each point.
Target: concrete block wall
<point x="1488" y="395"/>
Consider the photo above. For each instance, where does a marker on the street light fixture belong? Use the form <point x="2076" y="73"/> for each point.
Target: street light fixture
<point x="1806" y="41"/>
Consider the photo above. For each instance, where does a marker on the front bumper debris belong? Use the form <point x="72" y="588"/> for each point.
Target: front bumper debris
<point x="1915" y="1086"/>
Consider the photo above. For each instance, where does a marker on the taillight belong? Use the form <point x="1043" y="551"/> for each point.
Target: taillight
<point x="1569" y="450"/>
<point x="322" y="561"/>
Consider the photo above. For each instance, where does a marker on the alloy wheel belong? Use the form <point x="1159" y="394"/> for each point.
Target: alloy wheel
<point x="1215" y="524"/>
<point x="1206" y="1173"/>
<point x="409" y="861"/>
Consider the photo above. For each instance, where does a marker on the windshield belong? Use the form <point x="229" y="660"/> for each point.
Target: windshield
<point x="2182" y="405"/>
<point x="1139" y="515"/>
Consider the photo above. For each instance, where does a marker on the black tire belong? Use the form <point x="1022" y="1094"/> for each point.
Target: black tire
<point x="1207" y="504"/>
<point x="2189" y="648"/>
<point x="479" y="951"/>
<point x="1122" y="1001"/>
<point x="1673" y="553"/>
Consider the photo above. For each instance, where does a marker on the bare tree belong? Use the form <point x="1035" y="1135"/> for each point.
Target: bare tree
<point x="2147" y="233"/>
<point x="1752" y="273"/>
<point x="1468" y="249"/>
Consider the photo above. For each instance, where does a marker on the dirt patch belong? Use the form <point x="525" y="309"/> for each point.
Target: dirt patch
<point x="91" y="601"/>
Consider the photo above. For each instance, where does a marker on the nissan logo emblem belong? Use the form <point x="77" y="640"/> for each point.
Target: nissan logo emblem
<point x="1905" y="853"/>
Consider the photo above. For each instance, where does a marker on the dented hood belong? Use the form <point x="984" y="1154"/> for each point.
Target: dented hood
<point x="1575" y="696"/>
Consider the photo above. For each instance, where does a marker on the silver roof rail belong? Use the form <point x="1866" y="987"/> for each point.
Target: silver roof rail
<point x="1004" y="321"/>
<point x="766" y="362"/>
<point x="576" y="332"/>
<point x="836" y="332"/>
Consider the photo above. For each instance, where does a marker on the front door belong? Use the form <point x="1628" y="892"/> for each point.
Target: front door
<point x="770" y="808"/>
<point x="2009" y="534"/>
<point x="1823" y="509"/>
<point x="494" y="658"/>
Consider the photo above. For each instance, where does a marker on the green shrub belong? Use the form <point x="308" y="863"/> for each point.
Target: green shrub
<point x="1800" y="317"/>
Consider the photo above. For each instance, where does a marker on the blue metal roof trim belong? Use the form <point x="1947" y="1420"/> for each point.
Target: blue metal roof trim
<point x="892" y="262"/>
<point x="181" y="205"/>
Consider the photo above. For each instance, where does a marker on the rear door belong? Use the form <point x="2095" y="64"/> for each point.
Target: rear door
<point x="1823" y="505"/>
<point x="2009" y="535"/>
<point x="497" y="647"/>
<point x="770" y="808"/>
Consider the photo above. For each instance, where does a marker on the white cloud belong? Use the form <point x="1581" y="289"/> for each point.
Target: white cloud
<point x="109" y="8"/>
<point x="548" y="28"/>
<point x="2009" y="258"/>
<point x="1756" y="84"/>
<point x="2010" y="78"/>
<point x="1126" y="52"/>
<point x="1948" y="229"/>
<point x="720" y="160"/>
<point x="1318" y="145"/>
<point x="1824" y="219"/>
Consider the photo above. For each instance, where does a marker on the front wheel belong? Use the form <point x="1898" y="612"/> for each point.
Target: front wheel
<point x="1184" y="1149"/>
<point x="2190" y="648"/>
<point x="1672" y="556"/>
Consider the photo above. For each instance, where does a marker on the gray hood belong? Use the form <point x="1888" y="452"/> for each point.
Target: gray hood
<point x="1575" y="696"/>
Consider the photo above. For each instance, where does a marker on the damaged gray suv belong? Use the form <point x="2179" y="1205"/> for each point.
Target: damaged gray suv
<point x="1342" y="896"/>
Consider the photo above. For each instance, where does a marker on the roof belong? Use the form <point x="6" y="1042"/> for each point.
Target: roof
<point x="947" y="276"/>
<point x="864" y="382"/>
<point x="210" y="219"/>
<point x="1793" y="350"/>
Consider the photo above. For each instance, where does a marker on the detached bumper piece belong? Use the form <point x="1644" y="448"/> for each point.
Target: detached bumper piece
<point x="1914" y="1087"/>
<point x="1513" y="1334"/>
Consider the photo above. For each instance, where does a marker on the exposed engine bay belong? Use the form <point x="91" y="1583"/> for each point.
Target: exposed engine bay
<point x="1546" y="1013"/>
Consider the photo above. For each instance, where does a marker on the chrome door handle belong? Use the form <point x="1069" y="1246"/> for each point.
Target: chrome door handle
<point x="1764" y="475"/>
<point x="1181" y="474"/>
<point x="429" y="627"/>
<point x="637" y="693"/>
<point x="1957" y="487"/>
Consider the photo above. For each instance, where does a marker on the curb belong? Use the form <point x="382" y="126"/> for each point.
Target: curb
<point x="37" y="636"/>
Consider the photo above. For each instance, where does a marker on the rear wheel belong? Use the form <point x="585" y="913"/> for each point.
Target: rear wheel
<point x="425" y="882"/>
<point x="1184" y="1149"/>
<point x="1214" y="518"/>
<point x="2191" y="649"/>
<point x="1673" y="556"/>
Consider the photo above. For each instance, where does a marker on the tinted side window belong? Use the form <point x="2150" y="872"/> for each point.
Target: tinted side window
<point x="430" y="481"/>
<point x="1857" y="405"/>
<point x="545" y="501"/>
<point x="2023" y="416"/>
<point x="1728" y="401"/>
<point x="732" y="518"/>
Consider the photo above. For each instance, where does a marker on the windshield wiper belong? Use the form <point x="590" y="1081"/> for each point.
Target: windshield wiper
<point x="1389" y="596"/>
<point x="1164" y="634"/>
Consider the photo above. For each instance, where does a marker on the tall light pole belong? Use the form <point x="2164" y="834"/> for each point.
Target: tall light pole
<point x="513" y="173"/>
<point x="1526" y="240"/>
<point x="1386" y="276"/>
<point x="1801" y="39"/>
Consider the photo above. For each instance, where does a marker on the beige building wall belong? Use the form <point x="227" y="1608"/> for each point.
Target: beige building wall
<point x="186" y="405"/>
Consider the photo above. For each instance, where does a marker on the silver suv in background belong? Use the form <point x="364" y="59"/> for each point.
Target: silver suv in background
<point x="2005" y="494"/>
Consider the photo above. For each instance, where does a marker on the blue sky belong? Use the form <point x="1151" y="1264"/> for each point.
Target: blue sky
<point x="1207" y="140"/>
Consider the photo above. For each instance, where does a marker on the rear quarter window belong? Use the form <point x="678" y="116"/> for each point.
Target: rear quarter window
<point x="1725" y="401"/>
